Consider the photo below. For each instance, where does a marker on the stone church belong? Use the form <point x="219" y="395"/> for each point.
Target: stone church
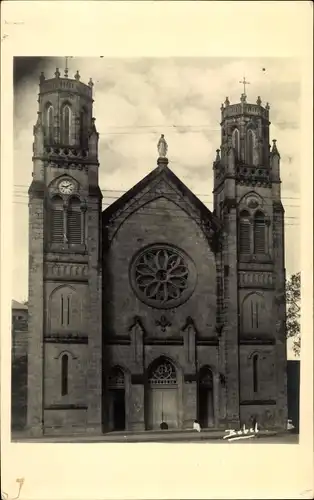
<point x="155" y="312"/>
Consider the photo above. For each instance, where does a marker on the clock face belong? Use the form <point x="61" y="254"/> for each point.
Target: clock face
<point x="66" y="187"/>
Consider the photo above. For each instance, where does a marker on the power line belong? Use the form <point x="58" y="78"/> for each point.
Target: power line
<point x="22" y="197"/>
<point x="196" y="194"/>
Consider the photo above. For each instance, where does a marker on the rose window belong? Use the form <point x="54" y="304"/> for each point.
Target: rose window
<point x="163" y="276"/>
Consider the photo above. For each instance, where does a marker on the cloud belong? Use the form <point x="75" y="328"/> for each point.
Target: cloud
<point x="138" y="99"/>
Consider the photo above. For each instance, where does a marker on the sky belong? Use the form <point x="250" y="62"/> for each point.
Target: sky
<point x="138" y="99"/>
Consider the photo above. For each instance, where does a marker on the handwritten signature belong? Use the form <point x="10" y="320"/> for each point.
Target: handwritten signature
<point x="5" y="496"/>
<point x="241" y="434"/>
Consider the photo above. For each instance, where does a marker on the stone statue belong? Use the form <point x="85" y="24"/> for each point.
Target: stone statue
<point x="162" y="146"/>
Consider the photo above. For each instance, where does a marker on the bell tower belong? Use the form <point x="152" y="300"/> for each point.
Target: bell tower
<point x="247" y="198"/>
<point x="64" y="353"/>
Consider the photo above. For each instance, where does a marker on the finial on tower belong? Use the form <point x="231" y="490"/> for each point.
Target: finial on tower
<point x="244" y="82"/>
<point x="90" y="83"/>
<point x="259" y="101"/>
<point x="42" y="77"/>
<point x="227" y="102"/>
<point x="57" y="73"/>
<point x="274" y="148"/>
<point x="77" y="76"/>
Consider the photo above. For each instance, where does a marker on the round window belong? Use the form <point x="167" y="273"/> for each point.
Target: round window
<point x="163" y="276"/>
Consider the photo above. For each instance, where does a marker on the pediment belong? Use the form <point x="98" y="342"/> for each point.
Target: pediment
<point x="159" y="184"/>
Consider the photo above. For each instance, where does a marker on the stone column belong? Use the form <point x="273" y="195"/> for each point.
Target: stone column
<point x="230" y="331"/>
<point x="94" y="372"/>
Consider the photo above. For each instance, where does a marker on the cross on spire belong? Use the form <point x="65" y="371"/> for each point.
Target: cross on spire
<point x="244" y="84"/>
<point x="66" y="70"/>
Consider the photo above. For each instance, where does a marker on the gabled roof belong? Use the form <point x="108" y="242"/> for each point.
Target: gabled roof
<point x="19" y="305"/>
<point x="162" y="171"/>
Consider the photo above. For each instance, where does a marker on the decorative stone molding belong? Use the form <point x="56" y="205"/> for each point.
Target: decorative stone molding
<point x="256" y="279"/>
<point x="66" y="338"/>
<point x="67" y="165"/>
<point x="55" y="270"/>
<point x="163" y="322"/>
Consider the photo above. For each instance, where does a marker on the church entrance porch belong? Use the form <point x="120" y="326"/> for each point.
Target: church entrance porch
<point x="205" y="399"/>
<point x="162" y="396"/>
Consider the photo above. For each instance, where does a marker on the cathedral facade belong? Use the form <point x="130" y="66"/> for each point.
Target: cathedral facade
<point x="155" y="312"/>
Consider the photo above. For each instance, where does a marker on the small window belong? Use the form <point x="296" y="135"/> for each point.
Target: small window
<point x="250" y="147"/>
<point x="64" y="374"/>
<point x="236" y="142"/>
<point x="66" y="124"/>
<point x="49" y="123"/>
<point x="255" y="373"/>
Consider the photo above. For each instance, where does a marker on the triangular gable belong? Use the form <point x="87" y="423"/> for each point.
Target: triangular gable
<point x="160" y="182"/>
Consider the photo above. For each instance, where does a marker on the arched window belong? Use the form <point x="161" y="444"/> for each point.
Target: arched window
<point x="206" y="377"/>
<point x="250" y="147"/>
<point x="74" y="222"/>
<point x="253" y="317"/>
<point x="236" y="142"/>
<point x="255" y="373"/>
<point x="162" y="372"/>
<point x="116" y="378"/>
<point x="83" y="127"/>
<point x="57" y="220"/>
<point x="49" y="123"/>
<point x="65" y="309"/>
<point x="259" y="233"/>
<point x="245" y="233"/>
<point x="64" y="374"/>
<point x="66" y="125"/>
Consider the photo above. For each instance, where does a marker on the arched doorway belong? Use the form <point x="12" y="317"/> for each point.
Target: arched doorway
<point x="116" y="393"/>
<point x="162" y="395"/>
<point x="205" y="398"/>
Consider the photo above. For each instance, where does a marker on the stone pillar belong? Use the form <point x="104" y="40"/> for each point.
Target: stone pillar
<point x="137" y="404"/>
<point x="35" y="402"/>
<point x="279" y="314"/>
<point x="190" y="402"/>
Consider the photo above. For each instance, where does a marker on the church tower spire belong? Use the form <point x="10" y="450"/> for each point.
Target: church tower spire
<point x="247" y="199"/>
<point x="64" y="248"/>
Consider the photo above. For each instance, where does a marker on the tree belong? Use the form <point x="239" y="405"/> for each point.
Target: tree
<point x="293" y="297"/>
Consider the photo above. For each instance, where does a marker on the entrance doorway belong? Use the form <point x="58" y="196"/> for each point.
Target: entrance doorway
<point x="162" y="396"/>
<point x="116" y="393"/>
<point x="205" y="398"/>
<point x="118" y="407"/>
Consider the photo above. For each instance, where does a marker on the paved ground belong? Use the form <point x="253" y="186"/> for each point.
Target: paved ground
<point x="166" y="437"/>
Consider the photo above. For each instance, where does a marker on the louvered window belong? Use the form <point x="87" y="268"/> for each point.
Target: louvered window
<point x="259" y="233"/>
<point x="74" y="223"/>
<point x="245" y="233"/>
<point x="57" y="221"/>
